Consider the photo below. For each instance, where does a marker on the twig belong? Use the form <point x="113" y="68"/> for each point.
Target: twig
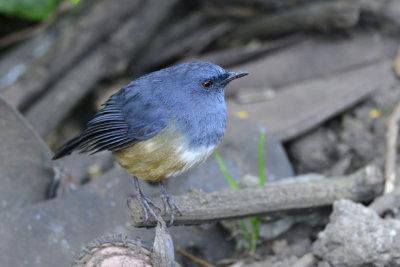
<point x="193" y="258"/>
<point x="391" y="145"/>
<point x="388" y="202"/>
<point x="22" y="35"/>
<point x="295" y="195"/>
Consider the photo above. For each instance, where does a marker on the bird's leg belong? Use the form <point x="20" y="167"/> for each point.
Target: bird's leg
<point x="169" y="202"/>
<point x="145" y="202"/>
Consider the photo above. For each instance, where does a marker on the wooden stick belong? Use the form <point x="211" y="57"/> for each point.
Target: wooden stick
<point x="391" y="147"/>
<point x="193" y="258"/>
<point x="292" y="195"/>
<point x="387" y="203"/>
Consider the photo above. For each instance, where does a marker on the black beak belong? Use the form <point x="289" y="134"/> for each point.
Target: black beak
<point x="234" y="75"/>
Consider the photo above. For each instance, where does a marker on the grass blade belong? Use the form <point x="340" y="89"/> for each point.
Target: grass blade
<point x="261" y="159"/>
<point x="225" y="171"/>
<point x="254" y="237"/>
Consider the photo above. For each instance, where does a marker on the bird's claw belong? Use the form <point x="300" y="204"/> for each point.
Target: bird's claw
<point x="169" y="203"/>
<point x="146" y="204"/>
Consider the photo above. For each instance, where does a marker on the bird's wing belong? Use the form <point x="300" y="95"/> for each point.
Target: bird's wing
<point x="125" y="119"/>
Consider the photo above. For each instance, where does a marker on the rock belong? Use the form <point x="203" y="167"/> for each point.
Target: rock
<point x="54" y="231"/>
<point x="360" y="139"/>
<point x="357" y="236"/>
<point x="314" y="152"/>
<point x="25" y="166"/>
<point x="83" y="168"/>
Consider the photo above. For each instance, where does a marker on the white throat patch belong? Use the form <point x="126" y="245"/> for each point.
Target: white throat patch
<point x="192" y="157"/>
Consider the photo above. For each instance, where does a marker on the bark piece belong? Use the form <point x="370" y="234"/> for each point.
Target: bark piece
<point x="163" y="253"/>
<point x="317" y="57"/>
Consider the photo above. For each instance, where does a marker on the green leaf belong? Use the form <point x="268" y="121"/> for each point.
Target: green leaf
<point x="221" y="164"/>
<point x="254" y="237"/>
<point x="261" y="159"/>
<point x="251" y="241"/>
<point x="74" y="2"/>
<point x="35" y="10"/>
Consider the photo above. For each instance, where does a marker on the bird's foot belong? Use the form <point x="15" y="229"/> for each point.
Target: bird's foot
<point x="146" y="204"/>
<point x="169" y="203"/>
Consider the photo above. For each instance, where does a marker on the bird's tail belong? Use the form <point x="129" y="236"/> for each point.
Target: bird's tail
<point x="68" y="147"/>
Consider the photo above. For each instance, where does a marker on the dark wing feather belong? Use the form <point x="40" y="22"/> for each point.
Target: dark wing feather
<point x="124" y="120"/>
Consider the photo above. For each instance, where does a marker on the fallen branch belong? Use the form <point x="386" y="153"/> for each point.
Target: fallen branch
<point x="323" y="16"/>
<point x="74" y="42"/>
<point x="231" y="57"/>
<point x="391" y="150"/>
<point x="199" y="207"/>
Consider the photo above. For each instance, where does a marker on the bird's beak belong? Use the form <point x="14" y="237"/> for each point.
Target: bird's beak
<point x="234" y="75"/>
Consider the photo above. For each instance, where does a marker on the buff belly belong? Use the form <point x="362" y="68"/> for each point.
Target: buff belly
<point x="162" y="156"/>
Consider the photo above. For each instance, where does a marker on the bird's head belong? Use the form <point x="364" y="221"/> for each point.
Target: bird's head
<point x="195" y="81"/>
<point x="203" y="78"/>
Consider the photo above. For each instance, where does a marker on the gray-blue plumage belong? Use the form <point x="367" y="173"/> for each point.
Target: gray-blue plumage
<point x="146" y="105"/>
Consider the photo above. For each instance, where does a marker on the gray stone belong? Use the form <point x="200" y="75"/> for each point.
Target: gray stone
<point x="314" y="152"/>
<point x="52" y="233"/>
<point x="357" y="236"/>
<point x="25" y="166"/>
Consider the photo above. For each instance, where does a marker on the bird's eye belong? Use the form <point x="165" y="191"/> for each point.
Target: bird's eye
<point x="207" y="84"/>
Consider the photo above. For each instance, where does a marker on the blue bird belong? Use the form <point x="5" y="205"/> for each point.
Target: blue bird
<point x="160" y="125"/>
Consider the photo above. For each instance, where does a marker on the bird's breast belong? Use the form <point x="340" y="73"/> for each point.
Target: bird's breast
<point x="165" y="155"/>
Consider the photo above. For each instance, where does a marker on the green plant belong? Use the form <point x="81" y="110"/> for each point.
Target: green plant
<point x="35" y="10"/>
<point x="251" y="240"/>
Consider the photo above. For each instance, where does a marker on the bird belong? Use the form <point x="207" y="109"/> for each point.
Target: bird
<point x="160" y="125"/>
